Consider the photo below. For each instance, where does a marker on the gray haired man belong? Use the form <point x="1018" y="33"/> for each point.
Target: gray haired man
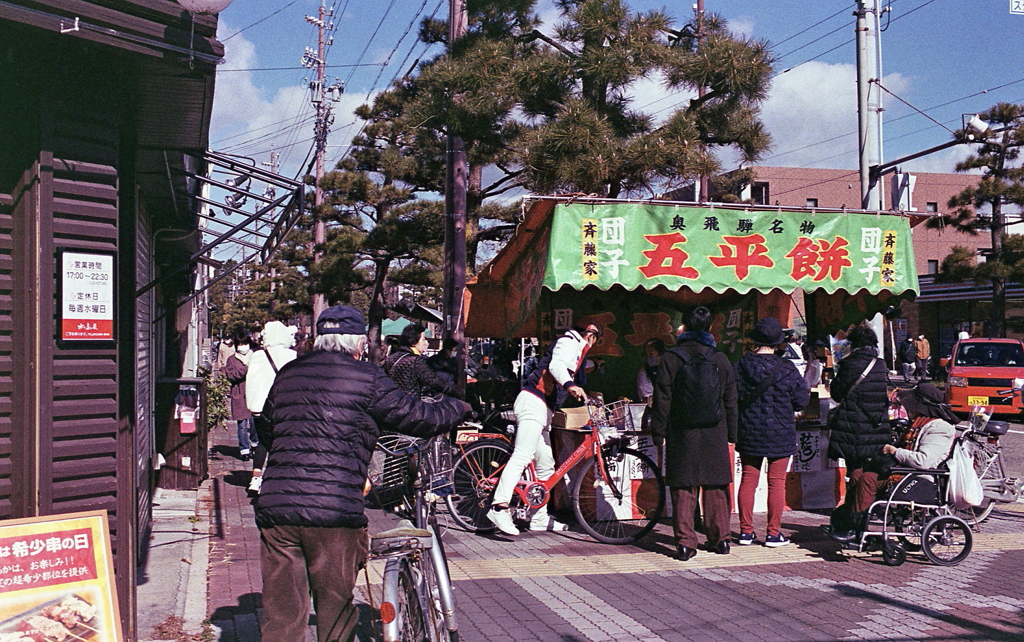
<point x="320" y="424"/>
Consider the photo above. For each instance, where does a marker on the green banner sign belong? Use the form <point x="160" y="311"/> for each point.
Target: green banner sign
<point x="646" y="245"/>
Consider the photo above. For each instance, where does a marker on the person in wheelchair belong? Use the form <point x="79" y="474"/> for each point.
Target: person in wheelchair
<point x="924" y="445"/>
<point x="927" y="441"/>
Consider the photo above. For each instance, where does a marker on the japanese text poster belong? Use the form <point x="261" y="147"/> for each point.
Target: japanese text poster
<point x="87" y="297"/>
<point x="56" y="579"/>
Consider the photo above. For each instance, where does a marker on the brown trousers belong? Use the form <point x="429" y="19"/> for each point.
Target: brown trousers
<point x="299" y="560"/>
<point x="861" y="489"/>
<point x="716" y="514"/>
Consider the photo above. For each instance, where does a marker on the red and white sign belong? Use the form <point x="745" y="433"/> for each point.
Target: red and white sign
<point x="87" y="297"/>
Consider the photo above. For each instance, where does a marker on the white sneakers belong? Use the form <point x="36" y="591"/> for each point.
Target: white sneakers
<point x="255" y="484"/>
<point x="503" y="521"/>
<point x="548" y="524"/>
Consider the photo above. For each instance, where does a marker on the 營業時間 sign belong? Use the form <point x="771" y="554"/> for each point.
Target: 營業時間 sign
<point x="87" y="296"/>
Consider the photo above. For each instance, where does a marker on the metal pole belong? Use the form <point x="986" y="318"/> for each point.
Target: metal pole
<point x="455" y="217"/>
<point x="869" y="114"/>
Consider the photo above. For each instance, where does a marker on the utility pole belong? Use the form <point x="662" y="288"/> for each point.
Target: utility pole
<point x="455" y="216"/>
<point x="319" y="93"/>
<point x="869" y="102"/>
<point x="702" y="183"/>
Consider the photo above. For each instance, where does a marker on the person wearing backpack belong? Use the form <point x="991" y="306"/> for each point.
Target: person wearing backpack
<point x="559" y="374"/>
<point x="694" y="416"/>
<point x="770" y="391"/>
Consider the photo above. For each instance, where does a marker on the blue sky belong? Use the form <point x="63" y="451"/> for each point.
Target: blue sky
<point x="940" y="58"/>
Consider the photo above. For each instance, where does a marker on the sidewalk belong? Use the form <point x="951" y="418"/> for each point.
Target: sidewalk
<point x="564" y="587"/>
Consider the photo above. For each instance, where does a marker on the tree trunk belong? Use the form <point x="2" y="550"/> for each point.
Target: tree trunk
<point x="375" y="318"/>
<point x="997" y="316"/>
<point x="474" y="198"/>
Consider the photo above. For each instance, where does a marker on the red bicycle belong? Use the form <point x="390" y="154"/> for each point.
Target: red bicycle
<point x="618" y="494"/>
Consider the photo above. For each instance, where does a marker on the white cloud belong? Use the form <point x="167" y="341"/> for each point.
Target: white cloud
<point x="742" y="26"/>
<point x="811" y="113"/>
<point x="250" y="119"/>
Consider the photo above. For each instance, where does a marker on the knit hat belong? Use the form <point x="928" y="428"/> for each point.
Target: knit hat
<point x="349" y="320"/>
<point x="767" y="332"/>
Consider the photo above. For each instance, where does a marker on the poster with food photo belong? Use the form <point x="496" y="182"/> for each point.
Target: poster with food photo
<point x="57" y="580"/>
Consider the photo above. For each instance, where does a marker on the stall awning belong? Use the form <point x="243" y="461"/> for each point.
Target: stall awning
<point x="683" y="249"/>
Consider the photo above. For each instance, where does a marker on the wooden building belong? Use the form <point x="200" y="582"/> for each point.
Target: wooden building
<point x="101" y="104"/>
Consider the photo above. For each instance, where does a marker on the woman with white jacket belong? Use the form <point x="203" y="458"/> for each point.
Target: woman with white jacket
<point x="278" y="340"/>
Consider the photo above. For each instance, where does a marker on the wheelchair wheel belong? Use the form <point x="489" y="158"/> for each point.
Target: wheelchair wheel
<point x="893" y="553"/>
<point x="947" y="540"/>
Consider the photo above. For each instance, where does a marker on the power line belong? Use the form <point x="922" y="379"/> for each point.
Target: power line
<point x="260" y="20"/>
<point x="365" y="64"/>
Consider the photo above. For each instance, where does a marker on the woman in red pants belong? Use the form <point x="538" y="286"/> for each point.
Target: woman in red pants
<point x="770" y="391"/>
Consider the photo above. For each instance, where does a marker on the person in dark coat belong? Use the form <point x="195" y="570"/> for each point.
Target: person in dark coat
<point x="696" y="459"/>
<point x="235" y="369"/>
<point x="770" y="390"/>
<point x="408" y="368"/>
<point x="445" y="364"/>
<point x="908" y="358"/>
<point x="859" y="427"/>
<point x="320" y="424"/>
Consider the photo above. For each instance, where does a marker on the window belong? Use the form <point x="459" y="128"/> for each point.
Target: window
<point x="931" y="206"/>
<point x="811" y="202"/>
<point x="933" y="266"/>
<point x="759" y="193"/>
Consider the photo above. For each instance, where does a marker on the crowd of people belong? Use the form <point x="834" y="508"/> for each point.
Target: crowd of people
<point x="309" y="420"/>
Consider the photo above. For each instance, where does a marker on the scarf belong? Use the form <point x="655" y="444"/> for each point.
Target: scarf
<point x="704" y="338"/>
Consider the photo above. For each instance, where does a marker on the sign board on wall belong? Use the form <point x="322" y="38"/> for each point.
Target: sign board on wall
<point x="87" y="296"/>
<point x="57" y="578"/>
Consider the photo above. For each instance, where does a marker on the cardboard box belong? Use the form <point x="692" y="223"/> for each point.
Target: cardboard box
<point x="571" y="418"/>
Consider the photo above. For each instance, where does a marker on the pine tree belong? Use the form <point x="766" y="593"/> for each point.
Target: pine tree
<point x="982" y="207"/>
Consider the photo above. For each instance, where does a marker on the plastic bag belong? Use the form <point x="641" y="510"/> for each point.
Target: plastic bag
<point x="964" y="489"/>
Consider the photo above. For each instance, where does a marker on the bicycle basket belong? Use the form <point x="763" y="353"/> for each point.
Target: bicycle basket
<point x="615" y="416"/>
<point x="436" y="466"/>
<point x="389" y="474"/>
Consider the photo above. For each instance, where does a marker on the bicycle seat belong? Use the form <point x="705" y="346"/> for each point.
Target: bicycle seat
<point x="403" y="536"/>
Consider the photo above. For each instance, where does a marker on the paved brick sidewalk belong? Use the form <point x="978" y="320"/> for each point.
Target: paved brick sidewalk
<point x="564" y="587"/>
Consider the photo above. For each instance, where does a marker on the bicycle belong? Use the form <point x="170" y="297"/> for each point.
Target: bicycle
<point x="618" y="494"/>
<point x="982" y="438"/>
<point x="418" y="602"/>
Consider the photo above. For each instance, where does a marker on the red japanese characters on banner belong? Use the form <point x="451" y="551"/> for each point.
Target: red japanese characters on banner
<point x="819" y="258"/>
<point x="666" y="259"/>
<point x="57" y="558"/>
<point x="743" y="252"/>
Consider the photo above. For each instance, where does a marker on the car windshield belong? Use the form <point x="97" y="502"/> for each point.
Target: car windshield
<point x="990" y="354"/>
<point x="791" y="353"/>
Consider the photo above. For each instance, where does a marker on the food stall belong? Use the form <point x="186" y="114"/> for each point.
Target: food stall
<point x="636" y="266"/>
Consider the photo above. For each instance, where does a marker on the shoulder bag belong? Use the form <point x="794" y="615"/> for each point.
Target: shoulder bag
<point x="832" y="414"/>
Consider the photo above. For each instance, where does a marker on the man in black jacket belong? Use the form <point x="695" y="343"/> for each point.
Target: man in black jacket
<point x="320" y="424"/>
<point x="696" y="427"/>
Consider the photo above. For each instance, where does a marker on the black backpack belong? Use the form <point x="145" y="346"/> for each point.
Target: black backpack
<point x="697" y="390"/>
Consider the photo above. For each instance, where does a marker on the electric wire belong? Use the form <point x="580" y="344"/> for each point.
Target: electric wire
<point x="260" y="20"/>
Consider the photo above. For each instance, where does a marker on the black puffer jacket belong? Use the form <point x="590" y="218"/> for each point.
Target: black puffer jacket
<point x="767" y="427"/>
<point x="861" y="426"/>
<point x="325" y="413"/>
<point x="413" y="375"/>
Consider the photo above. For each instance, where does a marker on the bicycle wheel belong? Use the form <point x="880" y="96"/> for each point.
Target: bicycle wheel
<point x="402" y="599"/>
<point x="947" y="540"/>
<point x="625" y="503"/>
<point x="474" y="477"/>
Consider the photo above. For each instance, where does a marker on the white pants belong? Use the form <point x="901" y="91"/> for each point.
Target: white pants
<point x="533" y="443"/>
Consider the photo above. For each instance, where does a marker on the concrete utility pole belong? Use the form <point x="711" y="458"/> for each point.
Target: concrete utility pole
<point x="869" y="102"/>
<point x="702" y="183"/>
<point x="455" y="216"/>
<point x="319" y="94"/>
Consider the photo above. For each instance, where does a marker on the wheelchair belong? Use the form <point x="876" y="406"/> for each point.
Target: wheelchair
<point x="914" y="516"/>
